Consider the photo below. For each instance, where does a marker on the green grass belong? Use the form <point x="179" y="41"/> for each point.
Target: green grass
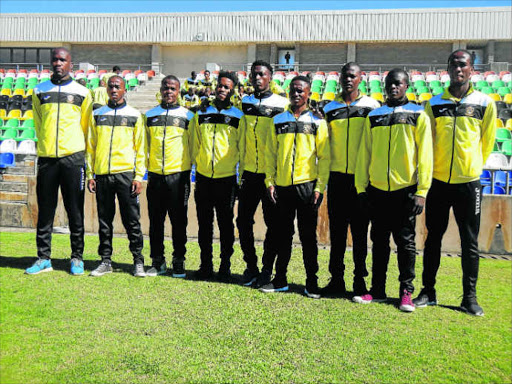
<point x="56" y="328"/>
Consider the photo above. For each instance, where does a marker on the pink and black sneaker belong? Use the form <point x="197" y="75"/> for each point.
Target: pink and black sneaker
<point x="406" y="304"/>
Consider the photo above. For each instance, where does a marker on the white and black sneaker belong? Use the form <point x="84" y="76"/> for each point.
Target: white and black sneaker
<point x="102" y="269"/>
<point x="157" y="271"/>
<point x="138" y="270"/>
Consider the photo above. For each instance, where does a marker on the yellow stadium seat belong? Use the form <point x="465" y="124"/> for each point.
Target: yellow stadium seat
<point x="495" y="96"/>
<point x="29" y="92"/>
<point x="328" y="96"/>
<point x="6" y="91"/>
<point x="509" y="124"/>
<point x="411" y="96"/>
<point x="28" y="115"/>
<point x="315" y="96"/>
<point x="3" y="114"/>
<point x="19" y="92"/>
<point x="508" y="98"/>
<point x="14" y="113"/>
<point x="424" y="97"/>
<point x="377" y="96"/>
<point x="499" y="123"/>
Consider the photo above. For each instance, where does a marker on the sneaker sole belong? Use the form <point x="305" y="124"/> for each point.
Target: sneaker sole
<point x="77" y="273"/>
<point x="139" y="275"/>
<point x="283" y="289"/>
<point x="249" y="283"/>
<point x="99" y="274"/>
<point x="464" y="309"/>
<point x="37" y="273"/>
<point x="429" y="304"/>
<point x="406" y="308"/>
<point x="359" y="301"/>
<point x="179" y="275"/>
<point x="312" y="295"/>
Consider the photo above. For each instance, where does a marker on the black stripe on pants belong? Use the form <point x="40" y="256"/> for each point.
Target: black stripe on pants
<point x="252" y="191"/>
<point x="215" y="195"/>
<point x="68" y="173"/>
<point x="107" y="188"/>
<point x="168" y="195"/>
<point x="466" y="201"/>
<point x="391" y="213"/>
<point x="297" y="199"/>
<point x="343" y="208"/>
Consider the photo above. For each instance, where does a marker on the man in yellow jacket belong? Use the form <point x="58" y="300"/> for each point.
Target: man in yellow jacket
<point x="259" y="109"/>
<point x="297" y="161"/>
<point x="463" y="125"/>
<point x="345" y="117"/>
<point x="168" y="139"/>
<point x="393" y="175"/>
<point x="115" y="144"/>
<point x="62" y="110"/>
<point x="217" y="136"/>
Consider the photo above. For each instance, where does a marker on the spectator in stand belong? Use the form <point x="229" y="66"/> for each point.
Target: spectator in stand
<point x="100" y="95"/>
<point x="62" y="110"/>
<point x="116" y="144"/>
<point x="393" y="175"/>
<point x="207" y="81"/>
<point x="192" y="81"/>
<point x="191" y="100"/>
<point x="464" y="125"/>
<point x="168" y="138"/>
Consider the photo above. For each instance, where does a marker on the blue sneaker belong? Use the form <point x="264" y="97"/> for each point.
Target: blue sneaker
<point x="41" y="265"/>
<point x="77" y="267"/>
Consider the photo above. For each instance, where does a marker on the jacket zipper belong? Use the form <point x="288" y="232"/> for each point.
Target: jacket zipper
<point x="57" y="133"/>
<point x="453" y="141"/>
<point x="163" y="143"/>
<point x="294" y="149"/>
<point x="256" y="137"/>
<point x="213" y="148"/>
<point x="111" y="141"/>
<point x="348" y="133"/>
<point x="389" y="150"/>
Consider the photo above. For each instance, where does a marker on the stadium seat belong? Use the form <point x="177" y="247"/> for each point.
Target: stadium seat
<point x="490" y="78"/>
<point x="508" y="98"/>
<point x="499" y="123"/>
<point x="503" y="134"/>
<point x="487" y="190"/>
<point x="6" y="91"/>
<point x="481" y="84"/>
<point x="496" y="161"/>
<point x="500" y="179"/>
<point x="151" y="74"/>
<point x="437" y="90"/>
<point x="424" y="97"/>
<point x="14" y="114"/>
<point x="502" y="91"/>
<point x="411" y="96"/>
<point x="499" y="191"/>
<point x="315" y="96"/>
<point x="505" y="114"/>
<point x="27" y="147"/>
<point x="485" y="177"/>
<point x="29" y="123"/>
<point x="328" y="96"/>
<point x="132" y="83"/>
<point x="10" y="133"/>
<point x="377" y="96"/>
<point x="495" y="96"/>
<point x="7" y="159"/>
<point x="421" y="90"/>
<point x="506" y="148"/>
<point x="486" y="90"/>
<point x="12" y="123"/>
<point x="8" y="145"/>
<point x="26" y="134"/>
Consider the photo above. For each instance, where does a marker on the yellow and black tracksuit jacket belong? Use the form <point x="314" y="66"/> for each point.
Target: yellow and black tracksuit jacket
<point x="100" y="96"/>
<point x="212" y="83"/>
<point x="168" y="139"/>
<point x="463" y="134"/>
<point x="258" y="113"/>
<point x="217" y="137"/>
<point x="396" y="150"/>
<point x="345" y="122"/>
<point x="188" y="101"/>
<point x="61" y="117"/>
<point x="297" y="150"/>
<point x="190" y="83"/>
<point x="116" y="142"/>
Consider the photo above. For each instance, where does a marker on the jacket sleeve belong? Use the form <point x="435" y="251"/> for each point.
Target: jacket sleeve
<point x="90" y="154"/>
<point x="432" y="120"/>
<point x="488" y="130"/>
<point x="271" y="156"/>
<point x="242" y="128"/>
<point x="139" y="145"/>
<point x="86" y="113"/>
<point x="195" y="140"/>
<point x="147" y="133"/>
<point x="423" y="139"/>
<point x="36" y="111"/>
<point x="323" y="153"/>
<point x="364" y="155"/>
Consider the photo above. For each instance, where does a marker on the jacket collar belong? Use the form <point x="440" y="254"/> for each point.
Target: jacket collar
<point x="448" y="96"/>
<point x="61" y="82"/>
<point x="168" y="106"/>
<point x="263" y="95"/>
<point x="116" y="106"/>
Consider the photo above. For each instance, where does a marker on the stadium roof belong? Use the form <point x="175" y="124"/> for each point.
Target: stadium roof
<point x="438" y="24"/>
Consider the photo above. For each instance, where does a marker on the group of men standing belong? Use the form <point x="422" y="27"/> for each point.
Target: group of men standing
<point x="380" y="164"/>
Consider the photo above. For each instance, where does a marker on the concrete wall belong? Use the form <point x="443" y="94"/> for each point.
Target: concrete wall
<point x="406" y="53"/>
<point x="495" y="226"/>
<point x="180" y="60"/>
<point x="503" y="51"/>
<point x="263" y="52"/>
<point x="112" y="54"/>
<point x="323" y="54"/>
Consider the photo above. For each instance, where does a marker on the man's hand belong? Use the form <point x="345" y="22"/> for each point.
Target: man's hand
<point x="418" y="203"/>
<point x="136" y="188"/>
<point x="316" y="199"/>
<point x="272" y="194"/>
<point x="91" y="186"/>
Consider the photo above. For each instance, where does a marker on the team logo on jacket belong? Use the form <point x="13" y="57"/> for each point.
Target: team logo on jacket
<point x="176" y="122"/>
<point x="124" y="121"/>
<point x="402" y="120"/>
<point x="154" y="120"/>
<point x="268" y="111"/>
<point x="70" y="99"/>
<point x="227" y="119"/>
<point x="470" y="111"/>
<point x="307" y="128"/>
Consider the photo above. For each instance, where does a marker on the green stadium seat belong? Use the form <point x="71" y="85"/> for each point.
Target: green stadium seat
<point x="435" y="84"/>
<point x="487" y="90"/>
<point x="502" y="91"/>
<point x="506" y="148"/>
<point x="10" y="133"/>
<point x="12" y="123"/>
<point x="503" y="134"/>
<point x="29" y="123"/>
<point x="375" y="83"/>
<point x="420" y="84"/>
<point x="421" y="90"/>
<point x="481" y="84"/>
<point x="497" y="84"/>
<point x="447" y="84"/>
<point x="437" y="90"/>
<point x="26" y="134"/>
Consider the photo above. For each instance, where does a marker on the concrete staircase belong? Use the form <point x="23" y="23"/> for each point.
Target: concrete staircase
<point x="14" y="190"/>
<point x="143" y="97"/>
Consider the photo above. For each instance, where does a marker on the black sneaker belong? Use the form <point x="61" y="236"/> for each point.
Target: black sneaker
<point x="203" y="274"/>
<point x="263" y="278"/>
<point x="178" y="270"/>
<point x="336" y="287"/>
<point x="312" y="291"/>
<point x="224" y="275"/>
<point x="471" y="307"/>
<point x="275" y="286"/>
<point x="425" y="298"/>
<point x="250" y="276"/>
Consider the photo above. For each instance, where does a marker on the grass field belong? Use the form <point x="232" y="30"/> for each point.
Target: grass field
<point x="56" y="328"/>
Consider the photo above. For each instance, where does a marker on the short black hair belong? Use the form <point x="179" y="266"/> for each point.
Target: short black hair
<point x="302" y="78"/>
<point x="169" y="77"/>
<point x="349" y="65"/>
<point x="207" y="70"/>
<point x="465" y="51"/>
<point x="262" y="63"/>
<point x="60" y="49"/>
<point x="398" y="71"/>
<point x="116" y="77"/>
<point x="228" y="75"/>
<point x="116" y="68"/>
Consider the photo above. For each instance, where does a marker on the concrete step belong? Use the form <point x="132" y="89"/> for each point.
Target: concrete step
<point x="12" y="214"/>
<point x="20" y="170"/>
<point x="13" y="196"/>
<point x="12" y="186"/>
<point x="15" y="178"/>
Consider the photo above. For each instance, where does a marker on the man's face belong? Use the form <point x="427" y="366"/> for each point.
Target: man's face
<point x="460" y="69"/>
<point x="396" y="86"/>
<point x="207" y="75"/>
<point x="299" y="93"/>
<point x="260" y="78"/>
<point x="61" y="63"/>
<point x="350" y="79"/>
<point x="116" y="90"/>
<point x="224" y="89"/>
<point x="170" y="90"/>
